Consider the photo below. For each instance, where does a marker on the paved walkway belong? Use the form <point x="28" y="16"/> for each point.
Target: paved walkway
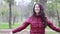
<point x="8" y="31"/>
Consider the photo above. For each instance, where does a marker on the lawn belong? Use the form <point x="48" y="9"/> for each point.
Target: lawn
<point x="6" y="25"/>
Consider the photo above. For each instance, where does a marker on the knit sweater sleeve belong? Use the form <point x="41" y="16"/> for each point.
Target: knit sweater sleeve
<point x="53" y="27"/>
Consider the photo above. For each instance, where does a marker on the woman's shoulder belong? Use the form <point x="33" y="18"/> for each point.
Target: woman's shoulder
<point x="28" y="19"/>
<point x="30" y="16"/>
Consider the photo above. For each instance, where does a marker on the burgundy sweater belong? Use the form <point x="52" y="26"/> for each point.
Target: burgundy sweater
<point x="36" y="26"/>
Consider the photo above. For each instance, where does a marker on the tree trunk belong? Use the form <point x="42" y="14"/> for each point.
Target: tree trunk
<point x="10" y="15"/>
<point x="14" y="20"/>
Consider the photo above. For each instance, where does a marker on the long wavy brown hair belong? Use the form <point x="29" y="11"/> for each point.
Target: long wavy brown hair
<point x="41" y="14"/>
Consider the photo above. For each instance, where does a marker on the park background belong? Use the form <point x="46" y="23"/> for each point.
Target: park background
<point x="14" y="12"/>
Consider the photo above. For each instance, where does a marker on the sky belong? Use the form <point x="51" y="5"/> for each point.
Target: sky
<point x="17" y="0"/>
<point x="23" y="1"/>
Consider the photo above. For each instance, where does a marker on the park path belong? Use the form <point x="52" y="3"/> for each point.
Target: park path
<point x="8" y="31"/>
<point x="25" y="31"/>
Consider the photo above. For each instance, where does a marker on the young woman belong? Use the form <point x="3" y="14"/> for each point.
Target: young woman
<point x="38" y="21"/>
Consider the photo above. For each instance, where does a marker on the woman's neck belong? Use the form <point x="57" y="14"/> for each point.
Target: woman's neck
<point x="37" y="14"/>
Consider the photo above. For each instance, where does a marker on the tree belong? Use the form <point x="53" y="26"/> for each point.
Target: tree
<point x="58" y="14"/>
<point x="10" y="2"/>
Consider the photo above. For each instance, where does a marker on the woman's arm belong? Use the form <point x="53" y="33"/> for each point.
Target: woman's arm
<point x="23" y="26"/>
<point x="50" y="24"/>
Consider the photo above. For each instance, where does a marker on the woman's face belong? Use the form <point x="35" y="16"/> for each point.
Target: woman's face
<point x="37" y="8"/>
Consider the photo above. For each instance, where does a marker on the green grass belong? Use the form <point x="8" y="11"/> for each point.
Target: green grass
<point x="6" y="25"/>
